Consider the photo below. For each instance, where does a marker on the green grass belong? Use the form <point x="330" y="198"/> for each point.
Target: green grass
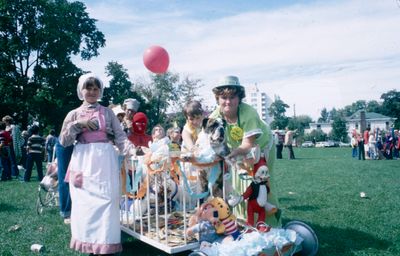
<point x="321" y="187"/>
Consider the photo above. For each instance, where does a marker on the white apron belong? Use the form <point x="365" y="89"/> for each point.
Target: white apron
<point x="95" y="190"/>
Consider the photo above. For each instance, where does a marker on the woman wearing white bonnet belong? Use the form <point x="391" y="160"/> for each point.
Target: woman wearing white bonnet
<point x="93" y="170"/>
<point x="130" y="106"/>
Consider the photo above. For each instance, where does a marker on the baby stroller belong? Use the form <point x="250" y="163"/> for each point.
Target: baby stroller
<point x="48" y="188"/>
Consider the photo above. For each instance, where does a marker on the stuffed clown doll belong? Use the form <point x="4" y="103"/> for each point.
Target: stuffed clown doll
<point x="257" y="196"/>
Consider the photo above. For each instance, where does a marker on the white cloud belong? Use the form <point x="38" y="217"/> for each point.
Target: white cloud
<point x="321" y="54"/>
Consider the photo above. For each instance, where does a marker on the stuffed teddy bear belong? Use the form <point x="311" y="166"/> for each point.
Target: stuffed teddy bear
<point x="203" y="222"/>
<point x="227" y="221"/>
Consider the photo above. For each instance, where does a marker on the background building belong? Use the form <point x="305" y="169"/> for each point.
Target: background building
<point x="258" y="100"/>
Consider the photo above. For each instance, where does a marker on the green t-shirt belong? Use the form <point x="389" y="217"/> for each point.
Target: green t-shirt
<point x="250" y="124"/>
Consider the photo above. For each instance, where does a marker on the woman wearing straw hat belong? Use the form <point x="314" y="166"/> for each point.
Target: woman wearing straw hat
<point x="245" y="131"/>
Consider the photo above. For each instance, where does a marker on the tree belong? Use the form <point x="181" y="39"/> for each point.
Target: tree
<point x="164" y="94"/>
<point x="374" y="106"/>
<point x="339" y="130"/>
<point x="277" y="110"/>
<point x="37" y="40"/>
<point x="318" y="135"/>
<point x="120" y="86"/>
<point x="159" y="95"/>
<point x="324" y="116"/>
<point x="189" y="90"/>
<point x="391" y="105"/>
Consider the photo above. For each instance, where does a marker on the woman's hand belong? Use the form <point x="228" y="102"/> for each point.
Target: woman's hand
<point x="91" y="125"/>
<point x="247" y="144"/>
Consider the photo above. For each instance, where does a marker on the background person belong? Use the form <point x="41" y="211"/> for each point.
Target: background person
<point x="361" y="149"/>
<point x="354" y="144"/>
<point x="244" y="131"/>
<point x="63" y="158"/>
<point x="289" y="142"/>
<point x="51" y="140"/>
<point x="130" y="106"/>
<point x="35" y="150"/>
<point x="24" y="145"/>
<point x="5" y="142"/>
<point x="366" y="142"/>
<point x="279" y="140"/>
<point x="15" y="146"/>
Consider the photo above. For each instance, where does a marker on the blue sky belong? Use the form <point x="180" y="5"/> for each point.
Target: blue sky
<point x="313" y="54"/>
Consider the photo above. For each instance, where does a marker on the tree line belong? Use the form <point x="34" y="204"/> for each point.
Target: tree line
<point x="38" y="39"/>
<point x="390" y="106"/>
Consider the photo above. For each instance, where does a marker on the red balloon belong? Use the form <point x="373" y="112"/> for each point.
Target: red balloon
<point x="156" y="59"/>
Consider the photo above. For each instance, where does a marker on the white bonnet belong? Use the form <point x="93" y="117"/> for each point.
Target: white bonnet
<point x="132" y="104"/>
<point x="118" y="110"/>
<point x="83" y="79"/>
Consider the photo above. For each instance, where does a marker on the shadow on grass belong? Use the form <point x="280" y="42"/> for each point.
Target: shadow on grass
<point x="304" y="208"/>
<point x="4" y="207"/>
<point x="285" y="199"/>
<point x="345" y="241"/>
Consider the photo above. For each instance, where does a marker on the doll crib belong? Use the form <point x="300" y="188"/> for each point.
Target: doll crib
<point x="161" y="223"/>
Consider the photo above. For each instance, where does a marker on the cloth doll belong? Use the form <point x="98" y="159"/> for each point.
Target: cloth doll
<point x="226" y="220"/>
<point x="203" y="222"/>
<point x="257" y="196"/>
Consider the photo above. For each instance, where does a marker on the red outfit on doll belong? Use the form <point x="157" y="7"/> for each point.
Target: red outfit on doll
<point x="139" y="126"/>
<point x="257" y="195"/>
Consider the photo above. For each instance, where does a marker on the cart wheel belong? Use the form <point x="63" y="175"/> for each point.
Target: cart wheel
<point x="45" y="196"/>
<point x="197" y="253"/>
<point x="39" y="207"/>
<point x="310" y="241"/>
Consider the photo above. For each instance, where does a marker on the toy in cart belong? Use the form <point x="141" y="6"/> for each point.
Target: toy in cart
<point x="219" y="233"/>
<point x="161" y="212"/>
<point x="208" y="231"/>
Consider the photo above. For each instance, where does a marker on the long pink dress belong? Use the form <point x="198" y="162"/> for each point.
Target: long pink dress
<point x="94" y="180"/>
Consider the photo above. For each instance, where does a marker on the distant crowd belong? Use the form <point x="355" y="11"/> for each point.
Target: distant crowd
<point x="375" y="144"/>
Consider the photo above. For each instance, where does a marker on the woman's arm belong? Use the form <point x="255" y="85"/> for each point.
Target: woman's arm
<point x="70" y="129"/>
<point x="244" y="148"/>
<point x="187" y="140"/>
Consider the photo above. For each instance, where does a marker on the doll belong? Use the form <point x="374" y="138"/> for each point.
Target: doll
<point x="203" y="222"/>
<point x="227" y="221"/>
<point x="257" y="196"/>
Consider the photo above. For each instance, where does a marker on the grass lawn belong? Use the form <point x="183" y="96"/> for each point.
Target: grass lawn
<point x="321" y="187"/>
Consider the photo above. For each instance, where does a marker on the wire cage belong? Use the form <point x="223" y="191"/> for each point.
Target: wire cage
<point x="158" y="206"/>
